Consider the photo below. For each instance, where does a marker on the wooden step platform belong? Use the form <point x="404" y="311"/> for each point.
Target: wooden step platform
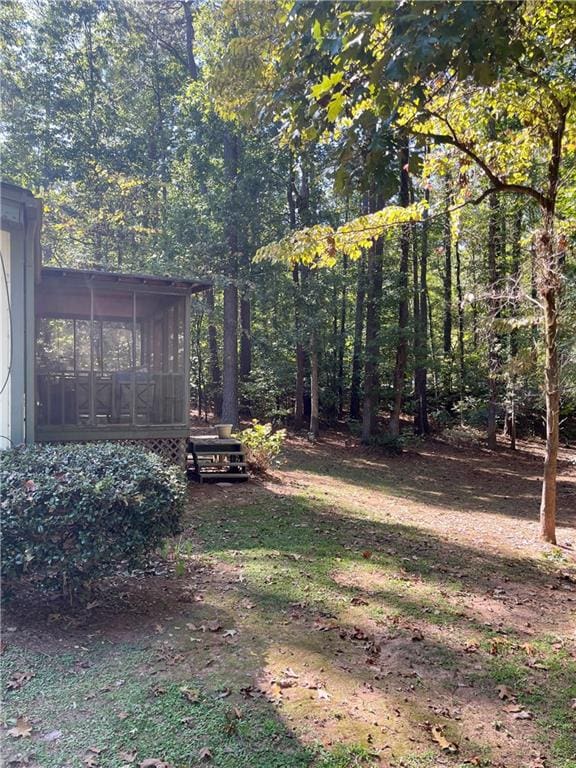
<point x="212" y="458"/>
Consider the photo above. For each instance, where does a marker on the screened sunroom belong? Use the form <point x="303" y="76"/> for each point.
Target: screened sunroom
<point x="111" y="357"/>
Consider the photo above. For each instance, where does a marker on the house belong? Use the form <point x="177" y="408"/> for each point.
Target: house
<point x="88" y="354"/>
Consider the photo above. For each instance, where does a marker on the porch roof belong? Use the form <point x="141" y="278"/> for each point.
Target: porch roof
<point x="102" y="278"/>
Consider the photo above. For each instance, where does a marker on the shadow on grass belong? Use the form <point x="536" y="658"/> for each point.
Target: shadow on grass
<point x="295" y="557"/>
<point x="445" y="476"/>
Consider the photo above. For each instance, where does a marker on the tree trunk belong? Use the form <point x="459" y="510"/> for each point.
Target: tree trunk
<point x="245" y="336"/>
<point x="447" y="322"/>
<point x="215" y="372"/>
<point x="314" y="389"/>
<point x="421" y="425"/>
<point x="356" y="376"/>
<point x="510" y="422"/>
<point x="549" y="289"/>
<point x="342" y="339"/>
<point x="372" y="347"/>
<point x="189" y="22"/>
<point x="292" y="196"/>
<point x="403" y="310"/>
<point x="230" y="367"/>
<point x="460" y="297"/>
<point x="230" y="383"/>
<point x="300" y="356"/>
<point x="493" y="359"/>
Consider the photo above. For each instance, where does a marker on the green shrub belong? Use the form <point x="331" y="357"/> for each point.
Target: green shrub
<point x="71" y="513"/>
<point x="262" y="444"/>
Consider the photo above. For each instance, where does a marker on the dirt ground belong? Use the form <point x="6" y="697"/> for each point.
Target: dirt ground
<point x="350" y="609"/>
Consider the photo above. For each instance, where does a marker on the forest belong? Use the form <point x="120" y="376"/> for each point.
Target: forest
<point x="383" y="195"/>
<point x="361" y="214"/>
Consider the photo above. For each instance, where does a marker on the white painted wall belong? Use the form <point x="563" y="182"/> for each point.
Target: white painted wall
<point x="5" y="427"/>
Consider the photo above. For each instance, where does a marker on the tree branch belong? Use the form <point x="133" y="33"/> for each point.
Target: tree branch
<point x="496" y="181"/>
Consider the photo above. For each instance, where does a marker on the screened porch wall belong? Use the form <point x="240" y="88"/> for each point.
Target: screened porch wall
<point x="110" y="359"/>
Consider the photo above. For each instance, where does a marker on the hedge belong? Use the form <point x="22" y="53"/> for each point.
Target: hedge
<point x="73" y="513"/>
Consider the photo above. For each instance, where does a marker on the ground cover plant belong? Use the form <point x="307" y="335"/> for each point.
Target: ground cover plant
<point x="354" y="609"/>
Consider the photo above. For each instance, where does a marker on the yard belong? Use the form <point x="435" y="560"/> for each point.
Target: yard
<point x="351" y="610"/>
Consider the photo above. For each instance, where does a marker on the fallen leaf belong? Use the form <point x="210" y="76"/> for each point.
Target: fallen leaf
<point x="123" y="715"/>
<point x="358" y="601"/>
<point x="22" y="729"/>
<point x="289" y="672"/>
<point x="128" y="757"/>
<point x="367" y="554"/>
<point x="18" y="679"/>
<point x="321" y="626"/>
<point x="205" y="754"/>
<point x="189" y="721"/>
<point x="536" y="664"/>
<point x="211" y="626"/>
<point x="442" y="741"/>
<point x="190" y="694"/>
<point x="528" y="648"/>
<point x="471" y="647"/>
<point x="229" y="632"/>
<point x="504" y="692"/>
<point x="417" y="635"/>
<point x="523" y="715"/>
<point x="323" y="694"/>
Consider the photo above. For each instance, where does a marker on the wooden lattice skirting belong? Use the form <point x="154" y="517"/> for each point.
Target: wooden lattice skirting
<point x="172" y="449"/>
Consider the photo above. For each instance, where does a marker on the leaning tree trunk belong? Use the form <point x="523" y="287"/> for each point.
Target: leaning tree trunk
<point x="549" y="289"/>
<point x="403" y="311"/>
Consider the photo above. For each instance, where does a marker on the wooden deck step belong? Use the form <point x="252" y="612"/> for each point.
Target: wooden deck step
<point x="210" y="458"/>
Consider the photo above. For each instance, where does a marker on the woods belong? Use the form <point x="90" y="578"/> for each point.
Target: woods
<point x="383" y="196"/>
<point x="288" y="383"/>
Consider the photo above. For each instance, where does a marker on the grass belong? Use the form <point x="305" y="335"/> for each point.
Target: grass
<point x="311" y="581"/>
<point x="113" y="706"/>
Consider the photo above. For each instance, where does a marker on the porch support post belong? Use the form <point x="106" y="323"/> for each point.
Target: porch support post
<point x="186" y="361"/>
<point x="91" y="388"/>
<point x="133" y="375"/>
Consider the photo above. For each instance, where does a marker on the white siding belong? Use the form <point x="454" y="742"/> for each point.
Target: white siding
<point x="5" y="343"/>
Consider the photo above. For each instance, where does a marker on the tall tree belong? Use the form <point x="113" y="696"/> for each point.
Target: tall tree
<point x="403" y="300"/>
